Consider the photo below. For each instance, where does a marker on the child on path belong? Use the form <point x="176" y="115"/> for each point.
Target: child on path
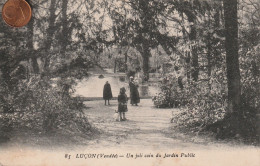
<point x="122" y="104"/>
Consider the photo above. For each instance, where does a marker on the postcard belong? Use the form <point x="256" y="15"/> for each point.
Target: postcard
<point x="129" y="82"/>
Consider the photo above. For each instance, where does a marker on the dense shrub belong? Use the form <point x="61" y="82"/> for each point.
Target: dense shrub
<point x="207" y="102"/>
<point x="203" y="103"/>
<point x="201" y="111"/>
<point x="161" y="100"/>
<point x="45" y="107"/>
<point x="171" y="94"/>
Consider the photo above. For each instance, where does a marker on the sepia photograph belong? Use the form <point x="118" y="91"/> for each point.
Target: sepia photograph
<point x="130" y="82"/>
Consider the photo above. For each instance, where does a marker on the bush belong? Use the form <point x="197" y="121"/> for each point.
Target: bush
<point x="171" y="94"/>
<point x="161" y="100"/>
<point x="207" y="104"/>
<point x="202" y="103"/>
<point x="201" y="112"/>
<point x="41" y="106"/>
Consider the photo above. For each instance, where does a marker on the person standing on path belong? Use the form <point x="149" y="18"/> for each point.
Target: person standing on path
<point x="107" y="93"/>
<point x="134" y="94"/>
<point x="122" y="104"/>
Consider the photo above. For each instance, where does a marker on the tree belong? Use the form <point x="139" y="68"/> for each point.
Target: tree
<point x="49" y="35"/>
<point x="232" y="61"/>
<point x="64" y="35"/>
<point x="141" y="28"/>
<point x="30" y="42"/>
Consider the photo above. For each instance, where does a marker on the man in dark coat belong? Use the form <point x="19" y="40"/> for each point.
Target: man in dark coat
<point x="134" y="94"/>
<point x="107" y="93"/>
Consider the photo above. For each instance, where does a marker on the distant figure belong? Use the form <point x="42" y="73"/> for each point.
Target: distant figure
<point x="134" y="94"/>
<point x="122" y="104"/>
<point x="107" y="93"/>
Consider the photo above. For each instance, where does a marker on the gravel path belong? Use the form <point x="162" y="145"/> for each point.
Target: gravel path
<point x="147" y="131"/>
<point x="147" y="127"/>
<point x="144" y="126"/>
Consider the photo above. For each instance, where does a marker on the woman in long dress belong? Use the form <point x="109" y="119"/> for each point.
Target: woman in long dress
<point x="134" y="93"/>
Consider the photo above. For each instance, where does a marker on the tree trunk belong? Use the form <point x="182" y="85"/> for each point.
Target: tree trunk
<point x="146" y="67"/>
<point x="115" y="65"/>
<point x="232" y="61"/>
<point x="195" y="64"/>
<point x="209" y="48"/>
<point x="194" y="52"/>
<point x="146" y="55"/>
<point x="209" y="66"/>
<point x="126" y="62"/>
<point x="64" y="36"/>
<point x="30" y="48"/>
<point x="50" y="33"/>
<point x="187" y="54"/>
<point x="209" y="56"/>
<point x="144" y="34"/>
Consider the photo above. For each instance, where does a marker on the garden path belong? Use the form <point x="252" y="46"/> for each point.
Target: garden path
<point x="147" y="131"/>
<point x="146" y="127"/>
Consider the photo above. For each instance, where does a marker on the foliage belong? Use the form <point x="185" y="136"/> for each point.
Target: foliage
<point x="161" y="100"/>
<point x="42" y="107"/>
<point x="39" y="64"/>
<point x="171" y="94"/>
<point x="201" y="111"/>
<point x="206" y="96"/>
<point x="201" y="104"/>
<point x="121" y="65"/>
